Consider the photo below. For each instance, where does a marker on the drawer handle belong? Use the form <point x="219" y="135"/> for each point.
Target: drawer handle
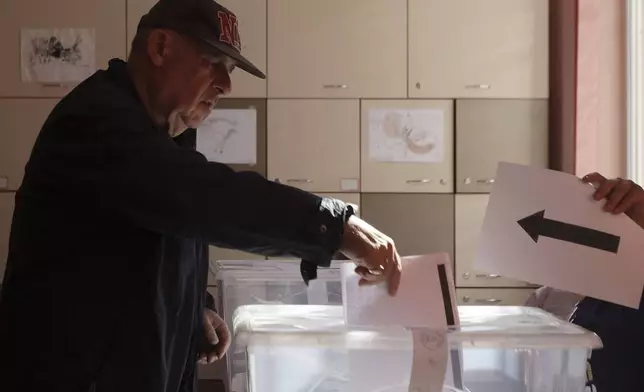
<point x="485" y="181"/>
<point x="420" y="181"/>
<point x="478" y="86"/>
<point x="336" y="86"/>
<point x="488" y="301"/>
<point x="300" y="180"/>
<point x="488" y="276"/>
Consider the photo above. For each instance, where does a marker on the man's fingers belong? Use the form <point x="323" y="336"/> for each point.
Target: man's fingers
<point x="632" y="197"/>
<point x="593" y="178"/>
<point x="393" y="281"/>
<point x="224" y="340"/>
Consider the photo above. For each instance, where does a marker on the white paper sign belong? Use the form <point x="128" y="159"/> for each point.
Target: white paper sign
<point x="229" y="136"/>
<point x="57" y="56"/>
<point x="543" y="227"/>
<point x="411" y="135"/>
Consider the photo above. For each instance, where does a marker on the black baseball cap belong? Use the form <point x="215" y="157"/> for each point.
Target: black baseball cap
<point x="203" y="20"/>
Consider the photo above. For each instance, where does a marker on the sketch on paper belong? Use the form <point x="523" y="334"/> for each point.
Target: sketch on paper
<point x="406" y="135"/>
<point x="57" y="56"/>
<point x="229" y="136"/>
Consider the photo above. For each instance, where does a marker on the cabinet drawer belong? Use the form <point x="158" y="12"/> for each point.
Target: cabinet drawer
<point x="22" y="120"/>
<point x="251" y="17"/>
<point x="490" y="131"/>
<point x="418" y="223"/>
<point x="493" y="297"/>
<point x="337" y="48"/>
<point x="230" y="132"/>
<point x="478" y="49"/>
<point x="103" y="22"/>
<point x="469" y="216"/>
<point x="216" y="254"/>
<point x="407" y="146"/>
<point x="6" y="216"/>
<point x="314" y="144"/>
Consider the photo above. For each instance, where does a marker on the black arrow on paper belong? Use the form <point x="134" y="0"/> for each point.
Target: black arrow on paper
<point x="537" y="225"/>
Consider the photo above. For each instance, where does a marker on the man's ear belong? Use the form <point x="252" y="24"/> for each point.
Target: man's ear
<point x="158" y="46"/>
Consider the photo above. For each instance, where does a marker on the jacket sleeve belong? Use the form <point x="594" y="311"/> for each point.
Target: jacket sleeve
<point x="157" y="185"/>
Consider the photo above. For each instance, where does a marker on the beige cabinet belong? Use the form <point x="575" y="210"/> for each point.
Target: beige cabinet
<point x="251" y="15"/>
<point x="492" y="297"/>
<point x="407" y="146"/>
<point x="314" y="144"/>
<point x="222" y="137"/>
<point x="469" y="216"/>
<point x="37" y="22"/>
<point x="478" y="49"/>
<point x="337" y="48"/>
<point x="6" y="216"/>
<point x="418" y="223"/>
<point x="22" y="120"/>
<point x="490" y="131"/>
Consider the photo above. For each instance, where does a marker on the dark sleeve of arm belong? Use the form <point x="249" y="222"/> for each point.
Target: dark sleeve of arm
<point x="161" y="187"/>
<point x="210" y="302"/>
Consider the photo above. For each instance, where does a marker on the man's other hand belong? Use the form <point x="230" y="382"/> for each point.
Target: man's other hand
<point x="622" y="196"/>
<point x="217" y="336"/>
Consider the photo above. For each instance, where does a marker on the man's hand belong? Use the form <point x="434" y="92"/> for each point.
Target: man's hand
<point x="217" y="337"/>
<point x="622" y="196"/>
<point x="374" y="253"/>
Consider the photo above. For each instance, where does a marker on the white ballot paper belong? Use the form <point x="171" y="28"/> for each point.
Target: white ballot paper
<point x="543" y="227"/>
<point x="425" y="305"/>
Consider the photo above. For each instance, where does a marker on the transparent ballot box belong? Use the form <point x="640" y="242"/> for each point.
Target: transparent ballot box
<point x="266" y="282"/>
<point x="293" y="348"/>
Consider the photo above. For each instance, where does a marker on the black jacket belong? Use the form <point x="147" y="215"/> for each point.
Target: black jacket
<point x="107" y="266"/>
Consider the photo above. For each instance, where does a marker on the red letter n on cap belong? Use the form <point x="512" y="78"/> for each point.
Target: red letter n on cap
<point x="229" y="29"/>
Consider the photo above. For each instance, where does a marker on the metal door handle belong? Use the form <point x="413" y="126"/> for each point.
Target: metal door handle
<point x="488" y="301"/>
<point x="488" y="276"/>
<point x="305" y="180"/>
<point x="419" y="181"/>
<point x="336" y="86"/>
<point x="478" y="86"/>
<point x="485" y="181"/>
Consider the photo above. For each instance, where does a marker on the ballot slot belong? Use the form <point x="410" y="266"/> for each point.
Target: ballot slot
<point x="307" y="59"/>
<point x="312" y="150"/>
<point x="407" y="146"/>
<point x="251" y="16"/>
<point x="478" y="49"/>
<point x="491" y="131"/>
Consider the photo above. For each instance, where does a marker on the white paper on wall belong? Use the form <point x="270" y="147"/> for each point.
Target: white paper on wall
<point x="57" y="55"/>
<point x="229" y="136"/>
<point x="406" y="135"/>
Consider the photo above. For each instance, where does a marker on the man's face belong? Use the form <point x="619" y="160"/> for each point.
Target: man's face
<point x="191" y="80"/>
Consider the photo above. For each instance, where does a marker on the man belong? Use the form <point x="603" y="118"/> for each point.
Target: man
<point x="107" y="267"/>
<point x="618" y="365"/>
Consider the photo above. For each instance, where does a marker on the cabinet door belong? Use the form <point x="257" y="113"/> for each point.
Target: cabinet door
<point x="478" y="49"/>
<point x="216" y="254"/>
<point x="407" y="146"/>
<point x="251" y="16"/>
<point x="28" y="27"/>
<point x="490" y="131"/>
<point x="470" y="213"/>
<point x="418" y="223"/>
<point x="230" y="132"/>
<point x="337" y="48"/>
<point x="21" y="120"/>
<point x="493" y="297"/>
<point x="314" y="144"/>
<point x="6" y="215"/>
